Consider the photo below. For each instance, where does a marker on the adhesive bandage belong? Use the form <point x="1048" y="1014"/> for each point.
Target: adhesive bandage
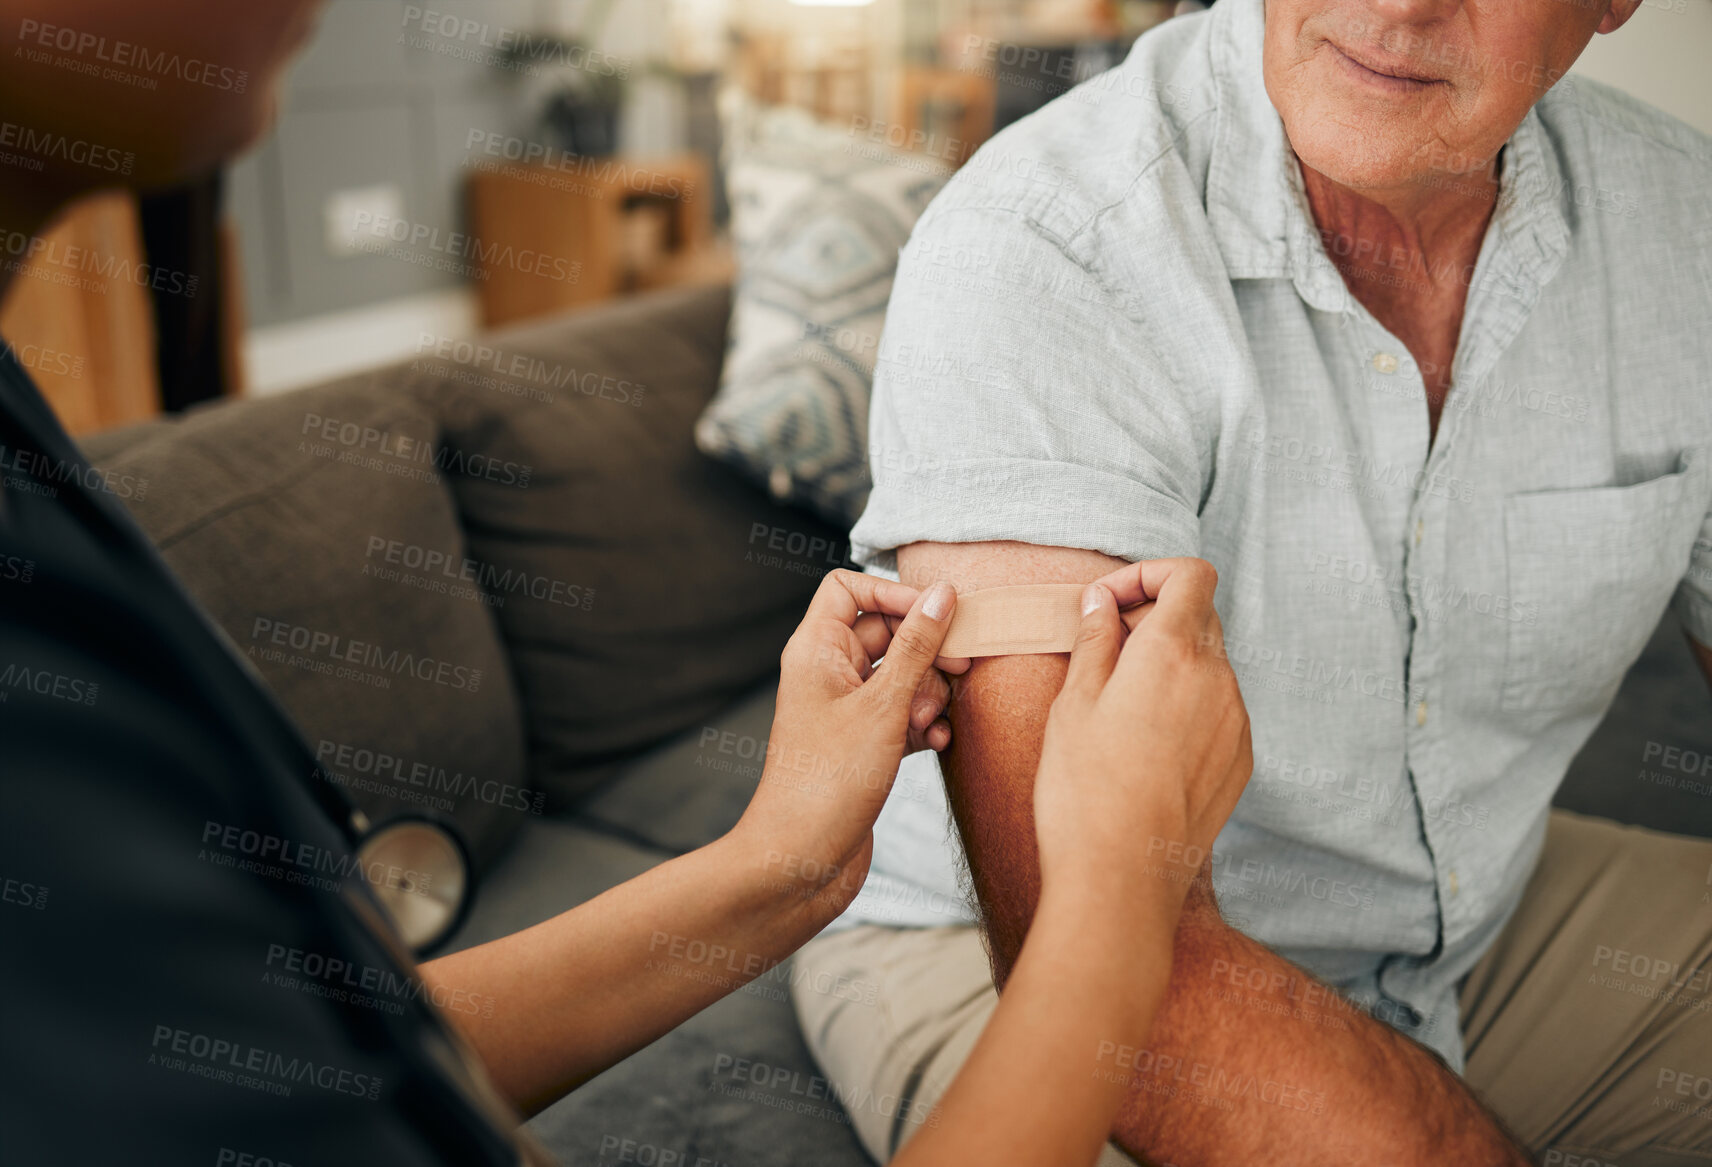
<point x="1015" y="621"/>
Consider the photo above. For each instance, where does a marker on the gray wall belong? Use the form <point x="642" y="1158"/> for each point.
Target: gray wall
<point x="363" y="106"/>
<point x="1661" y="57"/>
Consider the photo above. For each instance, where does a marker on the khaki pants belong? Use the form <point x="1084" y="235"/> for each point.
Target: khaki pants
<point x="1575" y="1038"/>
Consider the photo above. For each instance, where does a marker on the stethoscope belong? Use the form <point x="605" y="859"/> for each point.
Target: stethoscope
<point x="425" y="882"/>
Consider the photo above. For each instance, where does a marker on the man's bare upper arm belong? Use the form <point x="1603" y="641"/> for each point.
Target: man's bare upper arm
<point x="998" y="717"/>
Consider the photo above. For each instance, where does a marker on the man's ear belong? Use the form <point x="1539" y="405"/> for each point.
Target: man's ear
<point x="1618" y="14"/>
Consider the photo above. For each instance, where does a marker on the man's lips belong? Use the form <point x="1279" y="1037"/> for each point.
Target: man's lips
<point x="1379" y="72"/>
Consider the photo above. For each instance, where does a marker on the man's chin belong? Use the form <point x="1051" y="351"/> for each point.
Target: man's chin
<point x="1360" y="160"/>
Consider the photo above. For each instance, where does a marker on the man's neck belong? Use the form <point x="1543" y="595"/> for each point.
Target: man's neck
<point x="1419" y="235"/>
<point x="1408" y="257"/>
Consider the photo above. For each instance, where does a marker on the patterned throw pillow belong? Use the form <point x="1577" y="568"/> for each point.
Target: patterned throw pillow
<point x="818" y="215"/>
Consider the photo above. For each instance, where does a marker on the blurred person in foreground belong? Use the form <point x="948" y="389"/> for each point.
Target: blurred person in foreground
<point x="139" y="1026"/>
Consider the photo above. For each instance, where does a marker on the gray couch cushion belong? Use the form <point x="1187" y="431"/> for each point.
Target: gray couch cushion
<point x="692" y="578"/>
<point x="281" y="527"/>
<point x="1646" y="763"/>
<point x="693" y="788"/>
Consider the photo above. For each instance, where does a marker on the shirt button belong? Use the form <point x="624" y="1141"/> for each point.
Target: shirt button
<point x="1451" y="880"/>
<point x="1420" y="528"/>
<point x="1421" y="713"/>
<point x="1384" y="363"/>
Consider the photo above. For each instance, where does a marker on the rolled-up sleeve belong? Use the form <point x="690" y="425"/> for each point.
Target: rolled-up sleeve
<point x="1015" y="399"/>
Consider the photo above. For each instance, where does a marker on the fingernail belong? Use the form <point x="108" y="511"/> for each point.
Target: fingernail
<point x="1090" y="599"/>
<point x="937" y="605"/>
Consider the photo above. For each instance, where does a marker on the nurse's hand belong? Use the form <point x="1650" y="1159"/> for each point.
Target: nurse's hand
<point x="1147" y="746"/>
<point x="841" y="726"/>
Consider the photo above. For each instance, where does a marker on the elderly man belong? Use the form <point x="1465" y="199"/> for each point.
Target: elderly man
<point x="1348" y="297"/>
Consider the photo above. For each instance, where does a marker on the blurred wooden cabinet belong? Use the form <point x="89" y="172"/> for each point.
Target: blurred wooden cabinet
<point x="544" y="239"/>
<point x="79" y="319"/>
<point x="946" y="113"/>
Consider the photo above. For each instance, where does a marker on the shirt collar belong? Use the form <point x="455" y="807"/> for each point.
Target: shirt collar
<point x="1257" y="207"/>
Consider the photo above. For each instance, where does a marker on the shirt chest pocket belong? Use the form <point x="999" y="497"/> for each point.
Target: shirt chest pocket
<point x="1592" y="570"/>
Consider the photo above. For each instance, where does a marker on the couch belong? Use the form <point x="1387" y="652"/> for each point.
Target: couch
<point x="624" y="686"/>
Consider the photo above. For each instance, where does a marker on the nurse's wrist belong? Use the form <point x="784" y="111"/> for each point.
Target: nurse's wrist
<point x="785" y="881"/>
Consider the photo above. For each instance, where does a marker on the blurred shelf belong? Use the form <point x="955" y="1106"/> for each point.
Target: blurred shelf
<point x="547" y="238"/>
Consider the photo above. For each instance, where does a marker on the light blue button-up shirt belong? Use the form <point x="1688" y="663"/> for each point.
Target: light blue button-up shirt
<point x="1118" y="328"/>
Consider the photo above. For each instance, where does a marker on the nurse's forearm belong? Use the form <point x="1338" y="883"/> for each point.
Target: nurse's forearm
<point x="580" y="992"/>
<point x="1041" y="1085"/>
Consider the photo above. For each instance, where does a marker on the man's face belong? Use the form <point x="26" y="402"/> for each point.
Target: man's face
<point x="1391" y="94"/>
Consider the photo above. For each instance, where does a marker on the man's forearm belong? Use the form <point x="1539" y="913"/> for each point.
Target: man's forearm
<point x="1252" y="1060"/>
